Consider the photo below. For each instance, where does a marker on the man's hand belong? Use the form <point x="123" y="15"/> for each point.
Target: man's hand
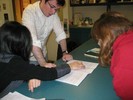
<point x="40" y="58"/>
<point x="67" y="57"/>
<point x="49" y="65"/>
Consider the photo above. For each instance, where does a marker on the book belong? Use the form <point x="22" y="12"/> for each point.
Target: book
<point x="92" y="52"/>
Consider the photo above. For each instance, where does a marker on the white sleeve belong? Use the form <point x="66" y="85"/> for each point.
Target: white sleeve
<point x="29" y="21"/>
<point x="58" y="29"/>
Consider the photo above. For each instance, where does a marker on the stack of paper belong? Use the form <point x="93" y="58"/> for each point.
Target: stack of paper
<point x="75" y="77"/>
<point x="18" y="96"/>
<point x="92" y="53"/>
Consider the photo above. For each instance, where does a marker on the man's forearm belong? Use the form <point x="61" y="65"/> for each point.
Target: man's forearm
<point x="65" y="55"/>
<point x="37" y="52"/>
<point x="63" y="45"/>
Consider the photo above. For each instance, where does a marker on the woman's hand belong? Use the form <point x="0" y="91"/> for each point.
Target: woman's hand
<point x="34" y="83"/>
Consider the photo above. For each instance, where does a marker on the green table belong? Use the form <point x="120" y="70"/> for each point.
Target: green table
<point x="96" y="86"/>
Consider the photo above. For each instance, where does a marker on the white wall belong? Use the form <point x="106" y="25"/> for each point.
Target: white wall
<point x="9" y="10"/>
<point x="127" y="10"/>
<point x="95" y="11"/>
<point x="52" y="47"/>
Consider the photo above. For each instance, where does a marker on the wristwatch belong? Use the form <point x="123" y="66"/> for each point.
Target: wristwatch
<point x="65" y="51"/>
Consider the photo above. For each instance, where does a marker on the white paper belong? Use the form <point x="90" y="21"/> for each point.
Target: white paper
<point x="75" y="77"/>
<point x="17" y="96"/>
<point x="92" y="52"/>
<point x="96" y="50"/>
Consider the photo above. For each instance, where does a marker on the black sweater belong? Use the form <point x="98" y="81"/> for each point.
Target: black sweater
<point x="18" y="69"/>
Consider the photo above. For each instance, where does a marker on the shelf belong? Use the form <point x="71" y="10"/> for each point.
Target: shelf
<point x="91" y="4"/>
<point x="122" y="3"/>
<point x="101" y="4"/>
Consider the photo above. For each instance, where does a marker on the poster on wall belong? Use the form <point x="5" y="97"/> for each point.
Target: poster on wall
<point x="4" y="6"/>
<point x="6" y="18"/>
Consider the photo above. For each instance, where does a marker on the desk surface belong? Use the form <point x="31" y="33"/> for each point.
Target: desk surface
<point x="96" y="86"/>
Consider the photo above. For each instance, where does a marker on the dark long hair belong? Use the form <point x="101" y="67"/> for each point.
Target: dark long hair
<point x="15" y="39"/>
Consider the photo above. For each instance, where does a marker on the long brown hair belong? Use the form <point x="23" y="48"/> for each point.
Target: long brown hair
<point x="106" y="30"/>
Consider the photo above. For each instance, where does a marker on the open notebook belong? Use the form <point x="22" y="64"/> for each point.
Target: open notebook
<point x="75" y="77"/>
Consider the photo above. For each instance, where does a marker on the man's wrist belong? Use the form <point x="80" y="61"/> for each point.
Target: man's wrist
<point x="65" y="52"/>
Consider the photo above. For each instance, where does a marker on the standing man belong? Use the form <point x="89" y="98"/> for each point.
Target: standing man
<point x="41" y="18"/>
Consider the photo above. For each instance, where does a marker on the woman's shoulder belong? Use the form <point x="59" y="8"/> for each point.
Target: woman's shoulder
<point x="11" y="60"/>
<point x="6" y="57"/>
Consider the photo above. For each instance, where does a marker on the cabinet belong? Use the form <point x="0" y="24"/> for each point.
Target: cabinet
<point x="79" y="35"/>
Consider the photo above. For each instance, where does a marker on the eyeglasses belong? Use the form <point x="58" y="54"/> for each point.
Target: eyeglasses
<point x="52" y="6"/>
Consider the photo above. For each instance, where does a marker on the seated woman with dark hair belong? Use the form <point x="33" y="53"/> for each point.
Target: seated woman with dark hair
<point x="15" y="49"/>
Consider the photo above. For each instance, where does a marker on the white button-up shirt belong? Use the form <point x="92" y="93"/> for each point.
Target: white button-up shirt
<point x="41" y="26"/>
